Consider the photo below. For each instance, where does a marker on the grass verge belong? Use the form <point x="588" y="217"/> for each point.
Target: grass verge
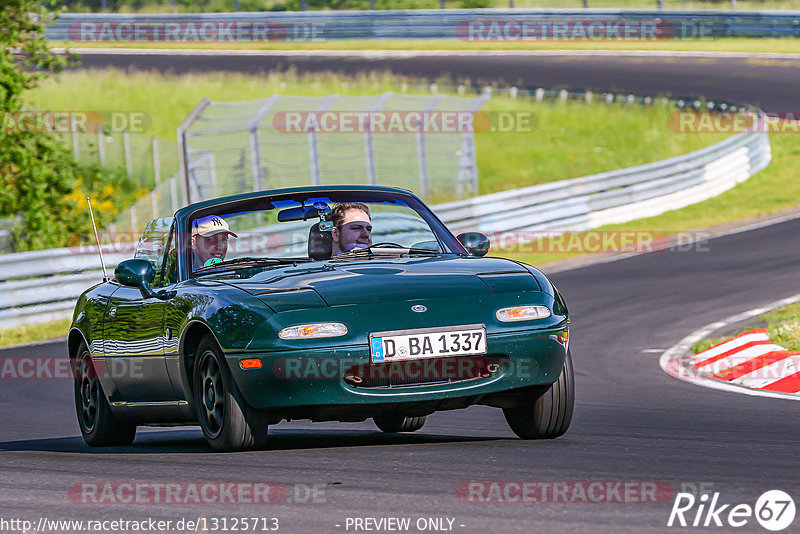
<point x="772" y="190"/>
<point x="782" y="324"/>
<point x="565" y="140"/>
<point x="34" y="333"/>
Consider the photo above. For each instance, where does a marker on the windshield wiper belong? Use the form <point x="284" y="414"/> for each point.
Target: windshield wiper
<point x="242" y="263"/>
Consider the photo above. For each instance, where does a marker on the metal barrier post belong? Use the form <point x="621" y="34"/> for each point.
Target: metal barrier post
<point x="101" y="145"/>
<point x="372" y="178"/>
<point x="173" y="190"/>
<point x="468" y="167"/>
<point x="183" y="154"/>
<point x="154" y="203"/>
<point x="212" y="171"/>
<point x="126" y="141"/>
<point x="422" y="153"/>
<point x="132" y="212"/>
<point x="255" y="150"/>
<point x="76" y="149"/>
<point x="313" y="151"/>
<point x="156" y="162"/>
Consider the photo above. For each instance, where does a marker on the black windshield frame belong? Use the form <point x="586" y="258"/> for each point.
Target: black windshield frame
<point x="446" y="239"/>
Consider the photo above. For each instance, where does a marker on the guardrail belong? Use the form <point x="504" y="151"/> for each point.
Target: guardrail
<point x="43" y="285"/>
<point x="616" y="196"/>
<point x="464" y="24"/>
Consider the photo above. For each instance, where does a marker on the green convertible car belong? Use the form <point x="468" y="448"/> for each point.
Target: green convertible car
<point x="322" y="303"/>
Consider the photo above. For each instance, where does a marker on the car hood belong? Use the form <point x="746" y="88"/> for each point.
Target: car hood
<point x="339" y="283"/>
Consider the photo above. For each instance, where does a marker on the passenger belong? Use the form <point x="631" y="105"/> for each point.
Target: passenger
<point x="352" y="227"/>
<point x="209" y="240"/>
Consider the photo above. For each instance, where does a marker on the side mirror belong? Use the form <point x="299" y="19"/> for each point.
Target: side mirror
<point x="140" y="273"/>
<point x="476" y="243"/>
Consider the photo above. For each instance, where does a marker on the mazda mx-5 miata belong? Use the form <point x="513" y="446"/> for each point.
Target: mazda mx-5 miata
<point x="322" y="303"/>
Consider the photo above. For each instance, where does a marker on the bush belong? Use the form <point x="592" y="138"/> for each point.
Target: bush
<point x="42" y="185"/>
<point x="47" y="189"/>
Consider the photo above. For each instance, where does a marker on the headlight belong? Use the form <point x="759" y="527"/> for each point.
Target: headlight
<point x="314" y="330"/>
<point x="522" y="313"/>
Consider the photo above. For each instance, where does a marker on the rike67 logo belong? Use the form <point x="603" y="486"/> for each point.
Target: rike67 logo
<point x="774" y="510"/>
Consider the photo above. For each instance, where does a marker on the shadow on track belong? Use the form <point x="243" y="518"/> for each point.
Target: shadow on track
<point x="191" y="441"/>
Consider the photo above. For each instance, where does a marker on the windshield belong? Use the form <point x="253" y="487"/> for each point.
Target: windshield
<point x="314" y="227"/>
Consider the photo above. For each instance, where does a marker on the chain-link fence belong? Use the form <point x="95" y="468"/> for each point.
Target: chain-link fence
<point x="419" y="142"/>
<point x="144" y="159"/>
<point x="150" y="164"/>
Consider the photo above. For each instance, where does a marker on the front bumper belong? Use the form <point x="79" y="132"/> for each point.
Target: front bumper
<point x="323" y="376"/>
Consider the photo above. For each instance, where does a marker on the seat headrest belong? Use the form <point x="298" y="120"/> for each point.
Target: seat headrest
<point x="319" y="243"/>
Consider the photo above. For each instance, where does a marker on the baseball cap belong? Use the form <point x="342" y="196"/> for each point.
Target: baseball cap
<point x="211" y="225"/>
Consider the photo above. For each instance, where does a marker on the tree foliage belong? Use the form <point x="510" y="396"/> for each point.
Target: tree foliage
<point x="40" y="182"/>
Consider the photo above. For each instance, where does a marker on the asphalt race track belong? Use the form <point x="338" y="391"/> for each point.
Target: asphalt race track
<point x="771" y="82"/>
<point x="632" y="421"/>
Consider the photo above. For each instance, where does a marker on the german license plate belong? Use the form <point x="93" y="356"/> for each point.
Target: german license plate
<point x="438" y="342"/>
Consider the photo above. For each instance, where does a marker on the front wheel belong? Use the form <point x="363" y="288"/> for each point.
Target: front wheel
<point x="398" y="423"/>
<point x="549" y="415"/>
<point x="228" y="422"/>
<point x="98" y="425"/>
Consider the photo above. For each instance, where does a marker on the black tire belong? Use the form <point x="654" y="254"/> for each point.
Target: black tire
<point x="228" y="422"/>
<point x="391" y="423"/>
<point x="98" y="425"/>
<point x="549" y="415"/>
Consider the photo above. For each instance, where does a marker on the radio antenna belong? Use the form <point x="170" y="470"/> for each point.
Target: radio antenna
<point x="97" y="239"/>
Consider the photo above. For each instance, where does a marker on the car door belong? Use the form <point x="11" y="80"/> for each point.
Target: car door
<point x="134" y="330"/>
<point x="135" y="347"/>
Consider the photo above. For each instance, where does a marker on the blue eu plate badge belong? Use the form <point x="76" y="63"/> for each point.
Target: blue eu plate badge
<point x="377" y="349"/>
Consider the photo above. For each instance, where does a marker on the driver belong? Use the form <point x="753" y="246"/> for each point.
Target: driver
<point x="352" y="227"/>
<point x="209" y="240"/>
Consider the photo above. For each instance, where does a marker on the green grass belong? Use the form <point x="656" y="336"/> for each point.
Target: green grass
<point x="706" y="344"/>
<point x="774" y="189"/>
<point x="568" y="140"/>
<point x="22" y="335"/>
<point x="782" y="324"/>
<point x="731" y="44"/>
